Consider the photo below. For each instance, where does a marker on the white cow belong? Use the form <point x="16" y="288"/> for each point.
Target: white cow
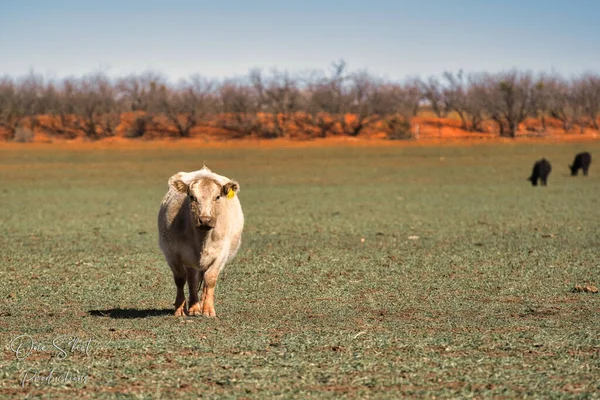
<point x="200" y="225"/>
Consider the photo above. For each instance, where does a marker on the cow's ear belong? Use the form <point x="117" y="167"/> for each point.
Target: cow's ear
<point x="230" y="189"/>
<point x="180" y="186"/>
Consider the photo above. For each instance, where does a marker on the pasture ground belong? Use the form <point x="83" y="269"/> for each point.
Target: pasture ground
<point x="373" y="272"/>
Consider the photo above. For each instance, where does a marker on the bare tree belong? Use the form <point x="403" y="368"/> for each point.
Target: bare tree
<point x="541" y="97"/>
<point x="480" y="100"/>
<point x="464" y="101"/>
<point x="11" y="110"/>
<point x="413" y="94"/>
<point x="364" y="92"/>
<point x="19" y="100"/>
<point x="508" y="98"/>
<point x="433" y="91"/>
<point x="562" y="104"/>
<point x="516" y="98"/>
<point x="328" y="100"/>
<point x="395" y="103"/>
<point x="238" y="107"/>
<point x="143" y="94"/>
<point x="32" y="89"/>
<point x="344" y="100"/>
<point x="189" y="103"/>
<point x="278" y="95"/>
<point x="587" y="96"/>
<point x="96" y="106"/>
<point x="64" y="108"/>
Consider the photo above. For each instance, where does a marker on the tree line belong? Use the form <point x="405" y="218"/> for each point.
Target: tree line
<point x="273" y="104"/>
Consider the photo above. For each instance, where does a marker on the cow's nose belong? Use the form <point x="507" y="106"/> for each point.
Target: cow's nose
<point x="206" y="220"/>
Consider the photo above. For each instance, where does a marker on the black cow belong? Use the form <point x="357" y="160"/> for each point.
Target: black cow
<point x="583" y="161"/>
<point x="541" y="170"/>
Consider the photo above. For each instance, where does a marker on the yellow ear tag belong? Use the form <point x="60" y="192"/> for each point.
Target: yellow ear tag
<point x="230" y="194"/>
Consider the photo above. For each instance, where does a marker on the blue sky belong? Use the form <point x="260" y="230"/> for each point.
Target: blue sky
<point x="392" y="39"/>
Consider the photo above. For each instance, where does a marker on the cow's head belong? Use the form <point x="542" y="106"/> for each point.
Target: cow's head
<point x="573" y="170"/>
<point x="206" y="196"/>
<point x="533" y="179"/>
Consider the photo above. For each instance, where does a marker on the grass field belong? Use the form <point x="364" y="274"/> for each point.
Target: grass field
<point x="373" y="272"/>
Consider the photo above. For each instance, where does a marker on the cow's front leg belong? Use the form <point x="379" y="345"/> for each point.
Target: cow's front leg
<point x="208" y="290"/>
<point x="193" y="280"/>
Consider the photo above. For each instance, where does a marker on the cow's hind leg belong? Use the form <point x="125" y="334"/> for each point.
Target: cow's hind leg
<point x="179" y="277"/>
<point x="193" y="280"/>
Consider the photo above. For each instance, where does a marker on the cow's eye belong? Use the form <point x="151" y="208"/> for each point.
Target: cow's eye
<point x="217" y="198"/>
<point x="192" y="198"/>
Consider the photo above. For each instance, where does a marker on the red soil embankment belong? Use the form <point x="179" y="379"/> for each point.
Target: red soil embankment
<point x="425" y="131"/>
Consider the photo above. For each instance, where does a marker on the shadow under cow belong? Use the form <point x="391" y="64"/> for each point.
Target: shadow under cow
<point x="130" y="313"/>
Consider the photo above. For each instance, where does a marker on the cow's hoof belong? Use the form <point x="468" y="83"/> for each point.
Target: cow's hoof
<point x="195" y="310"/>
<point x="209" y="311"/>
<point x="180" y="312"/>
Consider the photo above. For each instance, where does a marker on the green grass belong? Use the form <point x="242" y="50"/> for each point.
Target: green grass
<point x="479" y="305"/>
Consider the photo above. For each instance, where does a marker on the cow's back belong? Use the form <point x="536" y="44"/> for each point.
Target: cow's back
<point x="545" y="167"/>
<point x="583" y="160"/>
